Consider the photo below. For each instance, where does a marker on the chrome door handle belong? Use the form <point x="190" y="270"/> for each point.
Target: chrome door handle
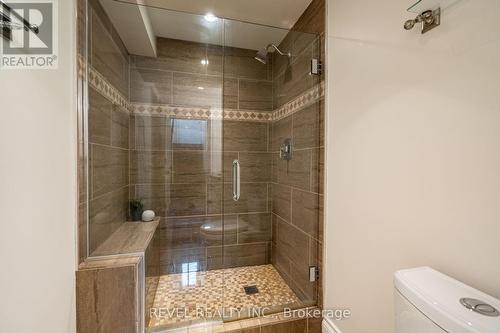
<point x="236" y="180"/>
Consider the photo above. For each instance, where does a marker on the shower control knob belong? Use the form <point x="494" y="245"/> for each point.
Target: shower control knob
<point x="286" y="150"/>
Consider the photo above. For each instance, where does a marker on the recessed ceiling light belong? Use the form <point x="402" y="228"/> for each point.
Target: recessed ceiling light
<point x="210" y="17"/>
<point x="204" y="61"/>
<point x="200" y="88"/>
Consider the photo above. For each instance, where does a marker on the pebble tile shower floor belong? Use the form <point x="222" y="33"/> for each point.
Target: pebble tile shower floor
<point x="196" y="297"/>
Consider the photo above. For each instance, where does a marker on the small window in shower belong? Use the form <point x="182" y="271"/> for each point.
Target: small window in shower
<point x="189" y="133"/>
<point x="189" y="273"/>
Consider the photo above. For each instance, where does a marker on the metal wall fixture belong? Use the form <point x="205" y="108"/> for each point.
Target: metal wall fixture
<point x="429" y="19"/>
<point x="286" y="150"/>
<point x="316" y="67"/>
<point x="262" y="54"/>
<point x="236" y="180"/>
<point x="7" y="24"/>
<point x="313" y="273"/>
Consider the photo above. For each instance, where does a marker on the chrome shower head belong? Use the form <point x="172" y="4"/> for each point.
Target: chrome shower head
<point x="262" y="54"/>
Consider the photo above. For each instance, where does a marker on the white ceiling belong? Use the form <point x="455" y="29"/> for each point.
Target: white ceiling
<point x="179" y="23"/>
<point x="140" y="39"/>
<point x="275" y="13"/>
<point x="196" y="28"/>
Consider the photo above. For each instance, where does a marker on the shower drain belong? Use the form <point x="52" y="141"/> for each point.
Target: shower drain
<point x="250" y="290"/>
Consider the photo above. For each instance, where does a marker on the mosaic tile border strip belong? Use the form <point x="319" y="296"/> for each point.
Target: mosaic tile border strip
<point x="308" y="98"/>
<point x="80" y="67"/>
<point x="105" y="88"/>
<point x="198" y="113"/>
<point x="247" y="115"/>
<point x="173" y="111"/>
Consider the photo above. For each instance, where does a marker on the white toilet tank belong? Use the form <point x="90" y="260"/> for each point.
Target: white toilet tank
<point x="427" y="301"/>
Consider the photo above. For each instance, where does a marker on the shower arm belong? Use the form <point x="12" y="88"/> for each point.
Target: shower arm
<point x="289" y="54"/>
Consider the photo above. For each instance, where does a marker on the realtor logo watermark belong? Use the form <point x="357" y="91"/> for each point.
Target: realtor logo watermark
<point x="28" y="33"/>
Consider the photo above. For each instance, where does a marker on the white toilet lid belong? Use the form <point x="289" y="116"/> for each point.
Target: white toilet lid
<point x="438" y="297"/>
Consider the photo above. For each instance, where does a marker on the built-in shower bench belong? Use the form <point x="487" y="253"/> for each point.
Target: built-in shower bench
<point x="114" y="284"/>
<point x="130" y="237"/>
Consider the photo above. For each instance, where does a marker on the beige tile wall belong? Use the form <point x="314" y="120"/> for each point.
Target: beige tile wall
<point x="107" y="54"/>
<point x="297" y="190"/>
<point x="102" y="287"/>
<point x="108" y="134"/>
<point x="189" y="184"/>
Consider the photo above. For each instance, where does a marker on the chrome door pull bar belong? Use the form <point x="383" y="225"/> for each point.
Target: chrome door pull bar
<point x="236" y="180"/>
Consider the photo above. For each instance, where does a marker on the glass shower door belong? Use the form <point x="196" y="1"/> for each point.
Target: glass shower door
<point x="271" y="194"/>
<point x="156" y="136"/>
<point x="189" y="51"/>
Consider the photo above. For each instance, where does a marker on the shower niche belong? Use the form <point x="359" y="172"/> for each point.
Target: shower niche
<point x="166" y="116"/>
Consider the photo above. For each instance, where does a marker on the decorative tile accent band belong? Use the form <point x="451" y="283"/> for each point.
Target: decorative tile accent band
<point x="242" y="115"/>
<point x="198" y="113"/>
<point x="80" y="67"/>
<point x="300" y="102"/>
<point x="105" y="88"/>
<point x="172" y="111"/>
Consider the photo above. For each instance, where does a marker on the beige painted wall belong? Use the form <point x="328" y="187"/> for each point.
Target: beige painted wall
<point x="413" y="152"/>
<point x="38" y="192"/>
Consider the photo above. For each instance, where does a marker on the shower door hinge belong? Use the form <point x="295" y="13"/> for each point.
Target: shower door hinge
<point x="313" y="273"/>
<point x="316" y="67"/>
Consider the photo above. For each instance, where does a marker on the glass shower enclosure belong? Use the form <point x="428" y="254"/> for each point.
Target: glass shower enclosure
<point x="215" y="125"/>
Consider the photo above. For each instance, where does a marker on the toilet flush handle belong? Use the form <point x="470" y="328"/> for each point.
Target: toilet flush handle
<point x="479" y="307"/>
